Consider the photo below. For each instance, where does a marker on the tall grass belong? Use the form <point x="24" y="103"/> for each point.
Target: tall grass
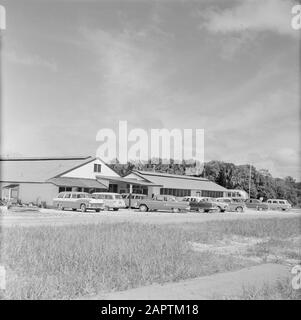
<point x="71" y="261"/>
<point x="68" y="262"/>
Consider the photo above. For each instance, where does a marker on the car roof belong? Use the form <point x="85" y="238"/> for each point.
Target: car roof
<point x="75" y="192"/>
<point x="110" y="193"/>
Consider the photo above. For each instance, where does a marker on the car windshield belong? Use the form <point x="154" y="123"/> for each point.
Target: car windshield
<point x="118" y="196"/>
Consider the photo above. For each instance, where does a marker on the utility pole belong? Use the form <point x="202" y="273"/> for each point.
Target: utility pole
<point x="250" y="181"/>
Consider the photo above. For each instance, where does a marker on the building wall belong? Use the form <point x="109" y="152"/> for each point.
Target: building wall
<point x="87" y="171"/>
<point x="37" y="192"/>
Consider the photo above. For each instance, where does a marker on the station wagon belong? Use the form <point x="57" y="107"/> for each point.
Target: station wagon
<point x="77" y="201"/>
<point x="279" y="204"/>
<point x="134" y="199"/>
<point x="111" y="200"/>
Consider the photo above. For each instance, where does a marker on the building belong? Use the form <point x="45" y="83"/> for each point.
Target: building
<point x="177" y="185"/>
<point x="39" y="180"/>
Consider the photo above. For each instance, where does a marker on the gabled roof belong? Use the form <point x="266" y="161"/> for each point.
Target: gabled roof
<point x="38" y="169"/>
<point x="174" y="181"/>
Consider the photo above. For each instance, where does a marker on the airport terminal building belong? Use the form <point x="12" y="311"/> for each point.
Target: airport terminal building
<point x="39" y="180"/>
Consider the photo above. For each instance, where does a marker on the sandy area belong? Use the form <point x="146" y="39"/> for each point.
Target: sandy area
<point x="55" y="217"/>
<point x="216" y="286"/>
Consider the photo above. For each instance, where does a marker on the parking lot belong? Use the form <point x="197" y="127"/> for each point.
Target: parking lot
<point x="10" y="218"/>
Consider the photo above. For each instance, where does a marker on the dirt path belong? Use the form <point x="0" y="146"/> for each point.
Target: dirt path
<point x="216" y="286"/>
<point x="59" y="218"/>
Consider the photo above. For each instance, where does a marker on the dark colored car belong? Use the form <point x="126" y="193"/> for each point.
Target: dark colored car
<point x="256" y="204"/>
<point x="200" y="205"/>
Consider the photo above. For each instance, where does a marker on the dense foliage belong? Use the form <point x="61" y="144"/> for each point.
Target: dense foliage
<point x="230" y="176"/>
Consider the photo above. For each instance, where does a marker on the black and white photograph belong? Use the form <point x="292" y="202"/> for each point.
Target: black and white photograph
<point x="150" y="151"/>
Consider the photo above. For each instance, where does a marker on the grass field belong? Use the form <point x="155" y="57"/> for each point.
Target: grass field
<point x="72" y="261"/>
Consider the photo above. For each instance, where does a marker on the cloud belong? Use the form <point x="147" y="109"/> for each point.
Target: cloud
<point x="251" y="15"/>
<point x="30" y="60"/>
<point x="130" y="86"/>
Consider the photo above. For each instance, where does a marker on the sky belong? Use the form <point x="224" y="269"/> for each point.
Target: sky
<point x="70" y="68"/>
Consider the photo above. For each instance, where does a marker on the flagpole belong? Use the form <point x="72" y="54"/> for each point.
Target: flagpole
<point x="250" y="181"/>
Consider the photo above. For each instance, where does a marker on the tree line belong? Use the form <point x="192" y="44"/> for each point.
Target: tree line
<point x="231" y="176"/>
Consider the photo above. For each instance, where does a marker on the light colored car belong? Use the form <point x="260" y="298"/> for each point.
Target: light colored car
<point x="233" y="204"/>
<point x="163" y="203"/>
<point x="111" y="200"/>
<point x="134" y="199"/>
<point x="77" y="201"/>
<point x="279" y="204"/>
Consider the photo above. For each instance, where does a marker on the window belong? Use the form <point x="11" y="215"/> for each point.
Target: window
<point x="275" y="201"/>
<point x="212" y="194"/>
<point x="61" y="195"/>
<point x="74" y="195"/>
<point x="175" y="192"/>
<point x="67" y="195"/>
<point x="282" y="202"/>
<point x="97" y="167"/>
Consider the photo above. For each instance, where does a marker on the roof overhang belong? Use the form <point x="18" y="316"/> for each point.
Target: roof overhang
<point x="11" y="186"/>
<point x="77" y="182"/>
<point x="127" y="180"/>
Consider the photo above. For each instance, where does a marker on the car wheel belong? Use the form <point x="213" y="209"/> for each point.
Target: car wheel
<point x="143" y="208"/>
<point x="239" y="209"/>
<point x="219" y="209"/>
<point x="175" y="210"/>
<point x="115" y="209"/>
<point x="97" y="210"/>
<point x="83" y="208"/>
<point x="201" y="210"/>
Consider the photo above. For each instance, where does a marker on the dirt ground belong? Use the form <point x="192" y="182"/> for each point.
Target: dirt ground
<point x="10" y="218"/>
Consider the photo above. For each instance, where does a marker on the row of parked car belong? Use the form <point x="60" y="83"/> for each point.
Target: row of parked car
<point x="106" y="200"/>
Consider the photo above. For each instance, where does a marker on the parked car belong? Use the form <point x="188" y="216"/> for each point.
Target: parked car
<point x="162" y="203"/>
<point x="279" y="204"/>
<point x="200" y="204"/>
<point x="221" y="206"/>
<point x="111" y="200"/>
<point x="77" y="200"/>
<point x="134" y="199"/>
<point x="256" y="204"/>
<point x="233" y="204"/>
